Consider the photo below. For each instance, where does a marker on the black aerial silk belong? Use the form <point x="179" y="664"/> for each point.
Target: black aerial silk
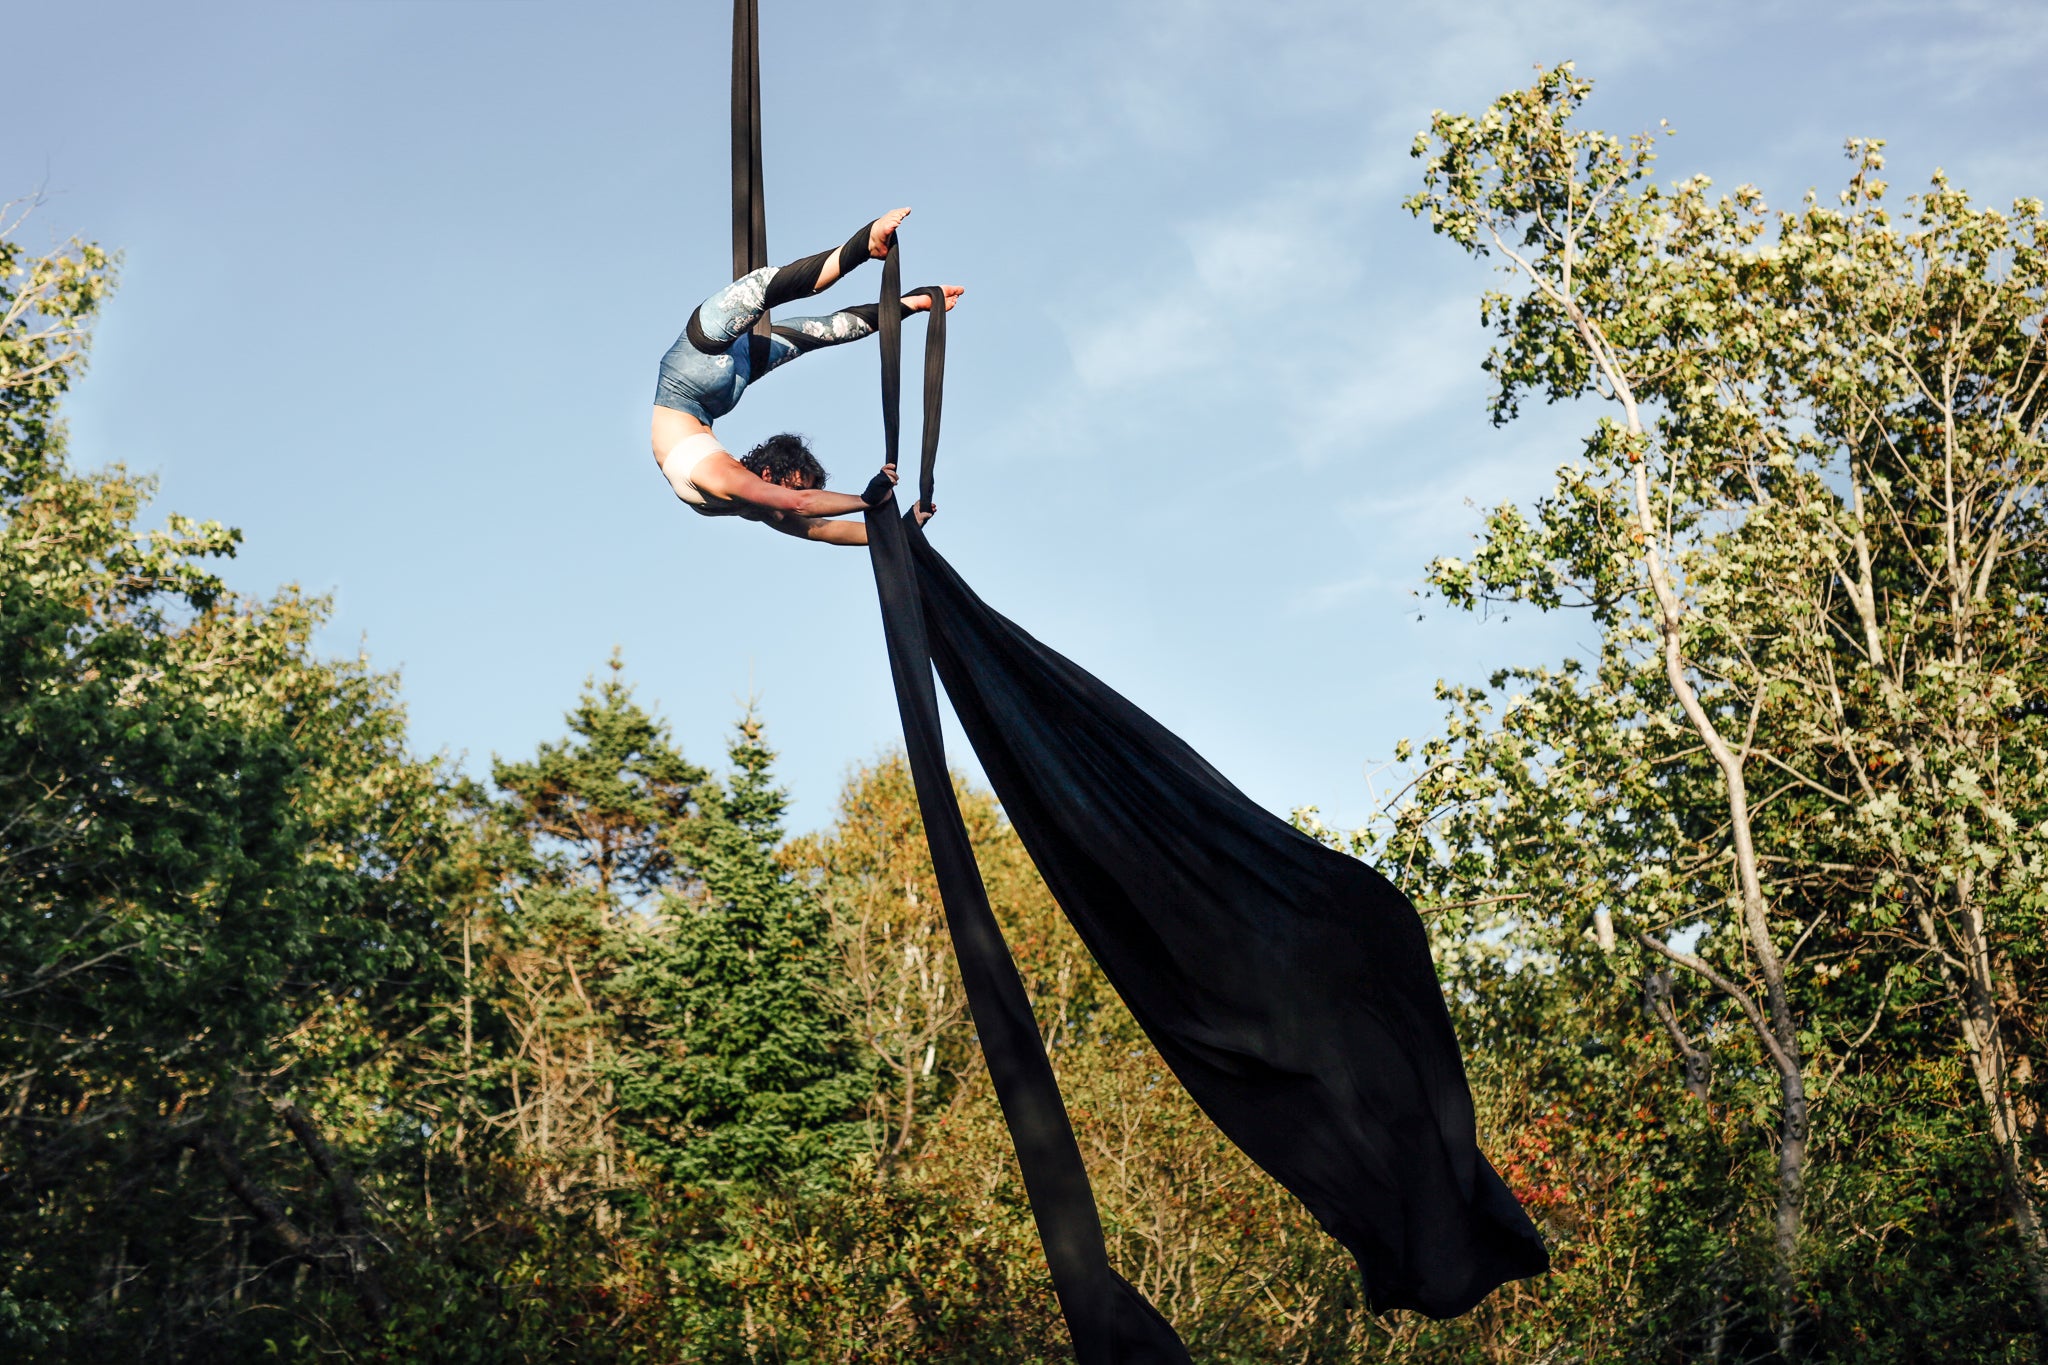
<point x="1288" y="986"/>
<point x="1111" y="1323"/>
<point x="749" y="194"/>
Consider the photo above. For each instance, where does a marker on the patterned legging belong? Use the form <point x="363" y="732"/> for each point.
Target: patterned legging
<point x="714" y="360"/>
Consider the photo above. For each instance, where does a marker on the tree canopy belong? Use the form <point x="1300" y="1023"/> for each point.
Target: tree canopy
<point x="1795" y="801"/>
<point x="313" y="1049"/>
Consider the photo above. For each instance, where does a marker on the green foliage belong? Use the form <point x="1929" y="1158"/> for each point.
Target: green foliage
<point x="1783" y="809"/>
<point x="215" y="847"/>
<point x="311" y="1050"/>
<point x="605" y="809"/>
<point x="47" y="304"/>
<point x="737" y="1068"/>
<point x="927" y="1251"/>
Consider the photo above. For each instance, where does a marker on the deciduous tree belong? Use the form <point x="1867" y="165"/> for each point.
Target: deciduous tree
<point x="1807" y="521"/>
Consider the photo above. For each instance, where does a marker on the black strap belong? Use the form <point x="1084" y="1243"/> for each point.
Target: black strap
<point x="749" y="204"/>
<point x="749" y="198"/>
<point x="889" y="323"/>
<point x="855" y="249"/>
<point x="799" y="279"/>
<point x="934" y="389"/>
<point x="889" y="327"/>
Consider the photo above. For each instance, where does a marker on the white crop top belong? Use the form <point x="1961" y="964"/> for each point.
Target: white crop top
<point x="677" y="465"/>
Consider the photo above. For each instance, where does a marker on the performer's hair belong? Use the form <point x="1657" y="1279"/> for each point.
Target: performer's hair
<point x="782" y="455"/>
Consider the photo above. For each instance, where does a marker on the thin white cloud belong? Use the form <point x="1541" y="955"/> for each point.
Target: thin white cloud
<point x="1175" y="77"/>
<point x="1389" y="377"/>
<point x="1439" y="503"/>
<point x="1164" y="337"/>
<point x="1325" y="597"/>
<point x="1960" y="46"/>
<point x="1268" y="314"/>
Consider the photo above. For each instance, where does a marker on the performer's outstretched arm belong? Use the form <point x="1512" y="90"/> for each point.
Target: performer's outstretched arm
<point x="837" y="532"/>
<point x="719" y="476"/>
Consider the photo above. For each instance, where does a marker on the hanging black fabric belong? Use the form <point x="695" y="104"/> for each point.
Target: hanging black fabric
<point x="1110" y="1322"/>
<point x="1288" y="986"/>
<point x="749" y="193"/>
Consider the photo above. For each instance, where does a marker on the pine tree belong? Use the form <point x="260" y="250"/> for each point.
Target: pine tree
<point x="737" y="1067"/>
<point x="588" y="840"/>
<point x="602" y="810"/>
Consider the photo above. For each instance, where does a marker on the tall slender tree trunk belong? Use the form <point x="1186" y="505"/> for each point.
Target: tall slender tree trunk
<point x="1976" y="986"/>
<point x="1776" y="1029"/>
<point x="1792" y="1130"/>
<point x="1774" y="1024"/>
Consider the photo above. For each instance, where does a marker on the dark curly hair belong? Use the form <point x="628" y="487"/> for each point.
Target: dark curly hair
<point x="778" y="457"/>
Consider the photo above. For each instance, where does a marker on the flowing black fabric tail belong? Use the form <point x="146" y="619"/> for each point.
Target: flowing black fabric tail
<point x="1288" y="986"/>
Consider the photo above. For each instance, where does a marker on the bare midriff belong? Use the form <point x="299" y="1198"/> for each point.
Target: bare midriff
<point x="671" y="428"/>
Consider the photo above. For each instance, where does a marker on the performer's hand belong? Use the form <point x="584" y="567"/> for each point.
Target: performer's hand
<point x="882" y="230"/>
<point x="880" y="487"/>
<point x="924" y="512"/>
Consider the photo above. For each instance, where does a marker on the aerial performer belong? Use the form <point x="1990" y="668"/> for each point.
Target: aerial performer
<point x="779" y="482"/>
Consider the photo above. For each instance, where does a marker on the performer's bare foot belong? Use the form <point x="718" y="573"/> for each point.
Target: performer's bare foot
<point x="882" y="230"/>
<point x="920" y="304"/>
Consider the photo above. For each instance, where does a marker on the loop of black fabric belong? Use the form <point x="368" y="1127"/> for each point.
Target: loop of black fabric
<point x="889" y="336"/>
<point x="934" y="388"/>
<point x="889" y="318"/>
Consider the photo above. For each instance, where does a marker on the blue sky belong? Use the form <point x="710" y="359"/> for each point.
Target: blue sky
<point x="397" y="276"/>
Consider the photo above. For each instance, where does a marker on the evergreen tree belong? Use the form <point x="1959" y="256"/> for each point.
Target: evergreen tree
<point x="586" y="842"/>
<point x="737" y="1067"/>
<point x="602" y="811"/>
